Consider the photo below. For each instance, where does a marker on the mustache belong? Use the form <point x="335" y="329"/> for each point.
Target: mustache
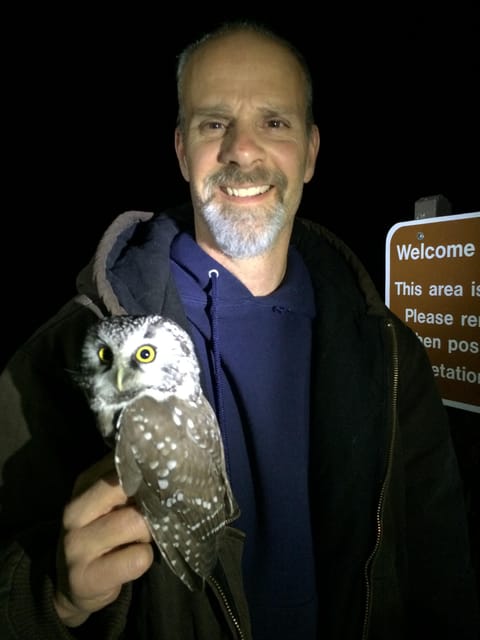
<point x="234" y="175"/>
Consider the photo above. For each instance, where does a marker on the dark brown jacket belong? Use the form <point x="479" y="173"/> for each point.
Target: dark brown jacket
<point x="390" y="528"/>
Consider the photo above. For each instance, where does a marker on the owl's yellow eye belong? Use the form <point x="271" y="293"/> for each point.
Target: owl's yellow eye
<point x="145" y="354"/>
<point x="105" y="354"/>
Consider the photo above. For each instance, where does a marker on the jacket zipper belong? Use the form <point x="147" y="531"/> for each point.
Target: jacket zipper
<point x="379" y="512"/>
<point x="215" y="584"/>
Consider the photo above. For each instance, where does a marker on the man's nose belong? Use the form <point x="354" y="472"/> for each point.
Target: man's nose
<point x="242" y="146"/>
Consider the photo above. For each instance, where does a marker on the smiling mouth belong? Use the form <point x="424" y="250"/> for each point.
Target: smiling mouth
<point x="246" y="192"/>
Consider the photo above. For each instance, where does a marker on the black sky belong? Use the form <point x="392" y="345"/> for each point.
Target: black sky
<point x="90" y="109"/>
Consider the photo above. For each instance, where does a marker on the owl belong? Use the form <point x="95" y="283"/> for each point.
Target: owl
<point x="141" y="378"/>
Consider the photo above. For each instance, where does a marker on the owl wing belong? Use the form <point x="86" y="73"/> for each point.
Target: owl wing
<point x="170" y="456"/>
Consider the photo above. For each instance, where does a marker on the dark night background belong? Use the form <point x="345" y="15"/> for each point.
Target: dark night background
<point x="89" y="103"/>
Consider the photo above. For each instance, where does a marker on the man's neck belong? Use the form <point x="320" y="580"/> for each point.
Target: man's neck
<point x="260" y="275"/>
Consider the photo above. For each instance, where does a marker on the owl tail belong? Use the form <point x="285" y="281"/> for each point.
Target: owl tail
<point x="190" y="554"/>
<point x="178" y="565"/>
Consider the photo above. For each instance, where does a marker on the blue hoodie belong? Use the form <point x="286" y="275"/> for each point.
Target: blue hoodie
<point x="247" y="347"/>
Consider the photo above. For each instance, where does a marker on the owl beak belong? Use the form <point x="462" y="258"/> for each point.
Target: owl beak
<point x="120" y="379"/>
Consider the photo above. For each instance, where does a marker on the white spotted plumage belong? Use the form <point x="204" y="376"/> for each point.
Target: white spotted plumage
<point x="142" y="380"/>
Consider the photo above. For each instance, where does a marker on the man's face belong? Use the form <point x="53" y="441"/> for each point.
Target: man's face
<point x="244" y="147"/>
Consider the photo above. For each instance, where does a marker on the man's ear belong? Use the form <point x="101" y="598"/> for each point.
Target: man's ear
<point x="180" y="151"/>
<point x="312" y="153"/>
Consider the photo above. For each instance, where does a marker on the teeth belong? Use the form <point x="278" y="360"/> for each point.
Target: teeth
<point x="244" y="193"/>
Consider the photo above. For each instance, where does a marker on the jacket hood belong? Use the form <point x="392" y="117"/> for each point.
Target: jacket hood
<point x="92" y="280"/>
<point x="332" y="261"/>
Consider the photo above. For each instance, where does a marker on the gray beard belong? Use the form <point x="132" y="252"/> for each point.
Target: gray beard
<point x="242" y="233"/>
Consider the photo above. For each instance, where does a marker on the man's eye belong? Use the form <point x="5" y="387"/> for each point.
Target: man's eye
<point x="213" y="125"/>
<point x="276" y="124"/>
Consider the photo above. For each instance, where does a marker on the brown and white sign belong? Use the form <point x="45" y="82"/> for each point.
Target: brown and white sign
<point x="432" y="282"/>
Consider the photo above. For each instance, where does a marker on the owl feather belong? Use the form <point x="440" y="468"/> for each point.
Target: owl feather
<point x="141" y="378"/>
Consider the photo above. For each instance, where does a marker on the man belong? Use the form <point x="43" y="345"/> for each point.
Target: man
<point x="337" y="444"/>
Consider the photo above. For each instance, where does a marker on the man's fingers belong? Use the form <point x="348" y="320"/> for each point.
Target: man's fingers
<point x="114" y="529"/>
<point x="104" y="467"/>
<point x="113" y="569"/>
<point x="98" y="499"/>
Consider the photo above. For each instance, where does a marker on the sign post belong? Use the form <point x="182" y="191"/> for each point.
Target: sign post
<point x="432" y="283"/>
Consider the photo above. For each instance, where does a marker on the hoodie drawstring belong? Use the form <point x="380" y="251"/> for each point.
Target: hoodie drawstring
<point x="213" y="274"/>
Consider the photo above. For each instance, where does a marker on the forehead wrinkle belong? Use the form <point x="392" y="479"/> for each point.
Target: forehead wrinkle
<point x="223" y="110"/>
<point x="215" y="110"/>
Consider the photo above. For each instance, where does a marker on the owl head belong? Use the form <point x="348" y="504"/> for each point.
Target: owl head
<point x="124" y="357"/>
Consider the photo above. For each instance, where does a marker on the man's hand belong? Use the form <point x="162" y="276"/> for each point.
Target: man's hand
<point x="105" y="543"/>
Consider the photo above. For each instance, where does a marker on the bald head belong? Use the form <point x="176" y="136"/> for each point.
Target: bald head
<point x="245" y="45"/>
